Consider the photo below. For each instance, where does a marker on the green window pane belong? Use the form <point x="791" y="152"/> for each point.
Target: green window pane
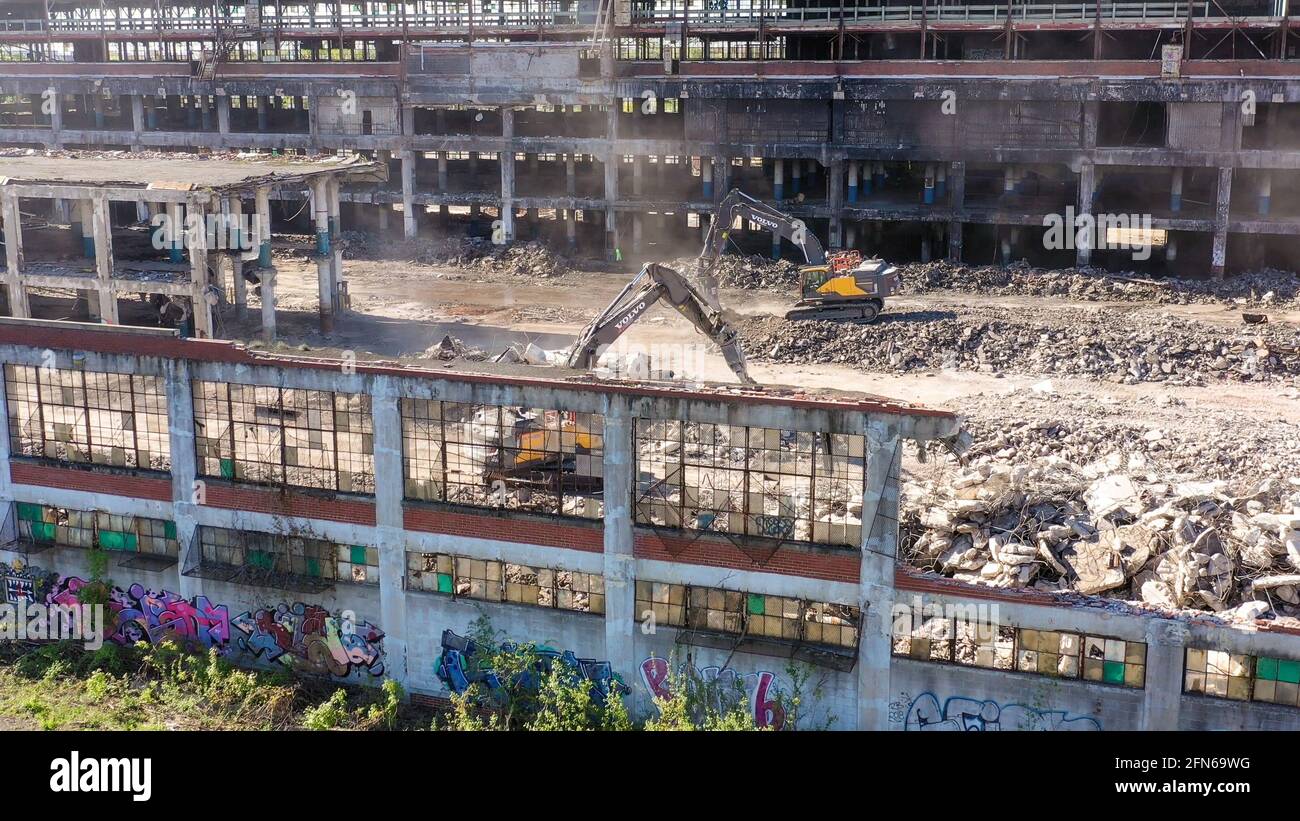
<point x="1113" y="672"/>
<point x="755" y="604"/>
<point x="169" y="530"/>
<point x="444" y="583"/>
<point x="261" y="559"/>
<point x="227" y="468"/>
<point x="1266" y="668"/>
<point x="28" y="512"/>
<point x="117" y="540"/>
<point x="358" y="554"/>
<point x="313" y="567"/>
<point x="44" y="531"/>
<point x="1288" y="671"/>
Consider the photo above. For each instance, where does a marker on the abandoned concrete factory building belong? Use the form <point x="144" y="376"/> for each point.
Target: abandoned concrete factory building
<point x="337" y="513"/>
<point x="358" y="517"/>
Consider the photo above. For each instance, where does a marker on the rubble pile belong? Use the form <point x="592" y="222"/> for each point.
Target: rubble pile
<point x="1077" y="343"/>
<point x="1106" y="528"/>
<point x="748" y="272"/>
<point x="451" y="348"/>
<point x="1265" y="287"/>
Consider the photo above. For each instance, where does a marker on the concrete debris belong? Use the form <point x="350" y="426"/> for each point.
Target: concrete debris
<point x="526" y="260"/>
<point x="748" y="272"/>
<point x="451" y="348"/>
<point x="1054" y="525"/>
<point x="1264" y="287"/>
<point x="1070" y="343"/>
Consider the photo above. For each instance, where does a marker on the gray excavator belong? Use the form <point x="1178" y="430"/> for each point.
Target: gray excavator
<point x="655" y="282"/>
<point x="840" y="285"/>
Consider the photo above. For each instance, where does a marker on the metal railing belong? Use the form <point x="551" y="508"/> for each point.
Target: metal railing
<point x="697" y="12"/>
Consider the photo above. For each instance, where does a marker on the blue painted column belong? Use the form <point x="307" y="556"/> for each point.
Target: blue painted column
<point x="706" y="176"/>
<point x="778" y="179"/>
<point x="941" y="180"/>
<point x="878" y="175"/>
<point x="853" y="181"/>
<point x="1176" y="191"/>
<point x="1265" y="193"/>
<point x="796" y="172"/>
<point x="928" y="195"/>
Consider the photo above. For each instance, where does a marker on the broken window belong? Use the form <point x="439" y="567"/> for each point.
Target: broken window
<point x="766" y="482"/>
<point x="94" y="417"/>
<point x="938" y="633"/>
<point x="490" y="580"/>
<point x="285" y="436"/>
<point x="751" y="615"/>
<point x="43" y="525"/>
<point x="494" y="456"/>
<point x="1277" y="681"/>
<point x="282" y="560"/>
<point x="1217" y="673"/>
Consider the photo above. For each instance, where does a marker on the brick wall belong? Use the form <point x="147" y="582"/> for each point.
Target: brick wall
<point x="789" y="560"/>
<point x="291" y="503"/>
<point x="492" y="525"/>
<point x="158" y="488"/>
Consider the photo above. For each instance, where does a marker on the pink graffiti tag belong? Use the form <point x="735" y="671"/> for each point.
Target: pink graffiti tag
<point x="760" y="689"/>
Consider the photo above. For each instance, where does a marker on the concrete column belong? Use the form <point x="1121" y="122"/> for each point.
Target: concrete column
<point x="638" y="176"/>
<point x="103" y="228"/>
<point x="336" y="247"/>
<point x="205" y="113"/>
<point x="383" y="220"/>
<point x="324" y="256"/>
<point x="706" y="177"/>
<point x="638" y="221"/>
<point x="313" y="118"/>
<point x="1163" y="693"/>
<point x="941" y="180"/>
<point x="836" y="194"/>
<point x="853" y="182"/>
<point x="927" y="195"/>
<point x="18" y="303"/>
<point x="390" y="537"/>
<point x="1087" y="191"/>
<point x="268" y="304"/>
<point x="571" y="227"/>
<point x="796" y="175"/>
<point x="266" y="268"/>
<point x="778" y="179"/>
<point x="1176" y="191"/>
<point x="151" y="113"/>
<point x="410" y="226"/>
<point x="612" y="159"/>
<point x="851" y="235"/>
<point x="1265" y="193"/>
<point x="1222" y="199"/>
<point x="878" y="175"/>
<point x="263" y="114"/>
<point x="176" y="231"/>
<point x="234" y="208"/>
<point x="876" y="576"/>
<point x="223" y="114"/>
<point x="198" y="248"/>
<point x="1171" y="248"/>
<point x="508" y="174"/>
<point x="722" y="170"/>
<point x="443" y="186"/>
<point x="87" y="231"/>
<point x="6" y="479"/>
<point x="56" y="119"/>
<point x="925" y="246"/>
<point x="570" y="176"/>
<point x="188" y="491"/>
<point x="137" y="121"/>
<point x="957" y="203"/>
<point x="619" y="570"/>
<point x="97" y="106"/>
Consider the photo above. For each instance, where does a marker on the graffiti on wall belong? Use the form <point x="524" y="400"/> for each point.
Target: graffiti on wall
<point x="306" y="635"/>
<point x="457" y="669"/>
<point x="155" y="616"/>
<point x="722" y="689"/>
<point x="960" y="714"/>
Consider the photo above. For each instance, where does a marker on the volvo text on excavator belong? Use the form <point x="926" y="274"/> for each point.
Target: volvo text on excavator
<point x="835" y="286"/>
<point x="653" y="283"/>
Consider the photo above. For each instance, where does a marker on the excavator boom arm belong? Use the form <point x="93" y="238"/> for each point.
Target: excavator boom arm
<point x="658" y="282"/>
<point x="739" y="204"/>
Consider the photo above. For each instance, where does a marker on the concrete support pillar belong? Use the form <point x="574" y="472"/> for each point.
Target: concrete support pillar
<point x="336" y="246"/>
<point x="957" y="203"/>
<point x="383" y="220"/>
<point x="198" y="248"/>
<point x="1004" y="246"/>
<point x="263" y="114"/>
<point x="1171" y="248"/>
<point x="878" y="175"/>
<point x="638" y="176"/>
<point x="188" y="491"/>
<point x="151" y="113"/>
<point x="176" y="232"/>
<point x="876" y="576"/>
<point x="142" y="212"/>
<point x="941" y="180"/>
<point x="1222" y="199"/>
<point x="87" y="229"/>
<point x="14" y="288"/>
<point x="313" y="118"/>
<point x="638" y="226"/>
<point x="205" y="113"/>
<point x="234" y="209"/>
<point x="390" y="538"/>
<point x="778" y="179"/>
<point x="137" y="120"/>
<point x="324" y="255"/>
<point x="1087" y="190"/>
<point x="570" y="176"/>
<point x="612" y="160"/>
<point x="410" y="226"/>
<point x="927" y="194"/>
<point x="853" y="182"/>
<point x="925" y="246"/>
<point x="267" y="276"/>
<point x="508" y="174"/>
<point x="6" y="479"/>
<point x="266" y="268"/>
<point x="97" y="107"/>
<point x="443" y="186"/>
<point x="851" y="235"/>
<point x="1265" y="192"/>
<point x="836" y="196"/>
<point x="796" y="176"/>
<point x="103" y="228"/>
<point x="571" y="227"/>
<point x="706" y="178"/>
<point x="223" y="114"/>
<point x="722" y="170"/>
<point x="1166" y="641"/>
<point x="1176" y="191"/>
<point x="619" y="569"/>
<point x="56" y="118"/>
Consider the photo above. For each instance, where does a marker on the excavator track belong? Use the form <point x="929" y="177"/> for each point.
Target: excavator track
<point x="863" y="312"/>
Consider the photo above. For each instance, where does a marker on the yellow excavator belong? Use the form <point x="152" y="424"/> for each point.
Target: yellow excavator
<point x="839" y="286"/>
